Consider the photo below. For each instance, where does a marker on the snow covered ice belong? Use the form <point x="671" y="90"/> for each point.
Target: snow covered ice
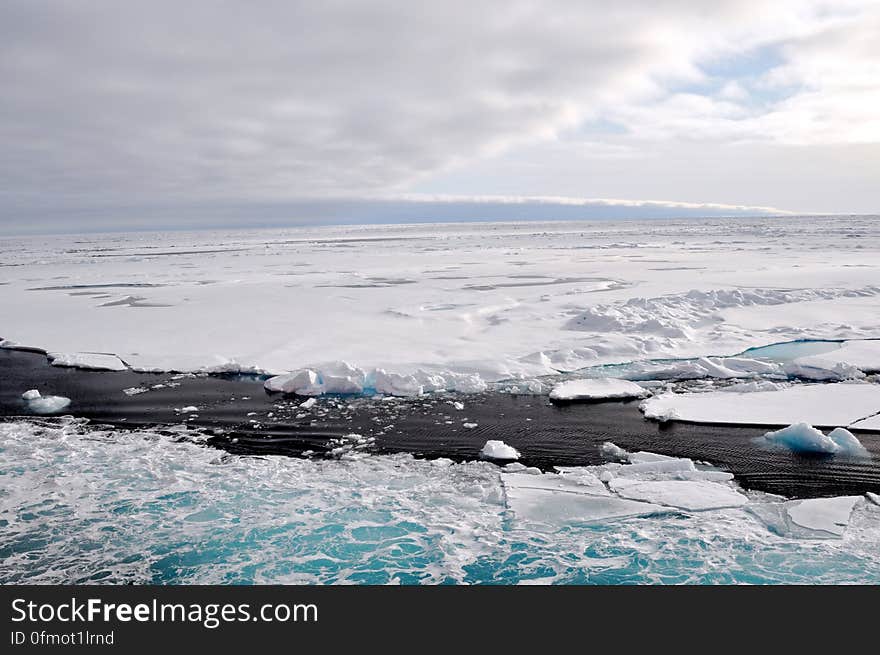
<point x="826" y="405"/>
<point x="40" y="404"/>
<point x="489" y="301"/>
<point x="494" y="449"/>
<point x="597" y="389"/>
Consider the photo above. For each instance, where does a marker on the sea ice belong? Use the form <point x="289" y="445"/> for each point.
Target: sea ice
<point x="870" y="423"/>
<point x="827" y="405"/>
<point x="93" y="361"/>
<point x="826" y="514"/>
<point x="40" y="404"/>
<point x="303" y="382"/>
<point x="692" y="495"/>
<point x="499" y="450"/>
<point x="556" y="502"/>
<point x="614" y="451"/>
<point x="862" y="354"/>
<point x="597" y="389"/>
<point x="395" y="384"/>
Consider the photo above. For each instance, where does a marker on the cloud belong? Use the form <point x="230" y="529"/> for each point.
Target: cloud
<point x="132" y="105"/>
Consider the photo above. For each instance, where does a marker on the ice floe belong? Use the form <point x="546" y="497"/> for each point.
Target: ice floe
<point x="693" y="495"/>
<point x="804" y="438"/>
<point x="40" y="404"/>
<point x="92" y="361"/>
<point x="870" y="423"/>
<point x="597" y="389"/>
<point x="494" y="449"/>
<point x="861" y="354"/>
<point x="502" y="302"/>
<point x="827" y="405"/>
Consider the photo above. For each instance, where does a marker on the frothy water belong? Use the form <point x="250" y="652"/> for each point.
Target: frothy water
<point x="84" y="504"/>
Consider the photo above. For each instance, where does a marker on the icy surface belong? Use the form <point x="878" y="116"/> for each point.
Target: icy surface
<point x="40" y="404"/>
<point x="826" y="514"/>
<point x="193" y="514"/>
<point x="494" y="449"/>
<point x="597" y="389"/>
<point x="870" y="423"/>
<point x="864" y="355"/>
<point x="489" y="301"/>
<point x="93" y="361"/>
<point x="684" y="494"/>
<point x="827" y="405"/>
<point x="804" y="438"/>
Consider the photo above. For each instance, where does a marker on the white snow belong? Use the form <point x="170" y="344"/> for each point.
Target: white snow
<point x="303" y="382"/>
<point x="498" y="450"/>
<point x="753" y="387"/>
<point x="465" y="304"/>
<point x="864" y="355"/>
<point x="92" y="361"/>
<point x="827" y="405"/>
<point x="870" y="423"/>
<point x="826" y="514"/>
<point x="395" y="384"/>
<point x="597" y="389"/>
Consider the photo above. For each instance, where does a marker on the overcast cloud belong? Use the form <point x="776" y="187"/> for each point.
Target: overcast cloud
<point x="128" y="112"/>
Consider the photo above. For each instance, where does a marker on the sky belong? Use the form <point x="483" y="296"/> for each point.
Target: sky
<point x="169" y="114"/>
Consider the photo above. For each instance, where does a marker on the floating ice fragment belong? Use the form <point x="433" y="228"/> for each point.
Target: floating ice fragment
<point x="303" y="382"/>
<point x="613" y="451"/>
<point x="92" y="361"/>
<point x="825" y="514"/>
<point x="693" y="495"/>
<point x="597" y="389"/>
<point x="818" y="404"/>
<point x="804" y="438"/>
<point x="134" y="391"/>
<point x="30" y="394"/>
<point x="308" y="404"/>
<point x="48" y="404"/>
<point x="469" y="426"/>
<point x="499" y="450"/>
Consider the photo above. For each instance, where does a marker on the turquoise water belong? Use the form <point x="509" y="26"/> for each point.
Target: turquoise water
<point x="81" y="504"/>
<point x="789" y="350"/>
